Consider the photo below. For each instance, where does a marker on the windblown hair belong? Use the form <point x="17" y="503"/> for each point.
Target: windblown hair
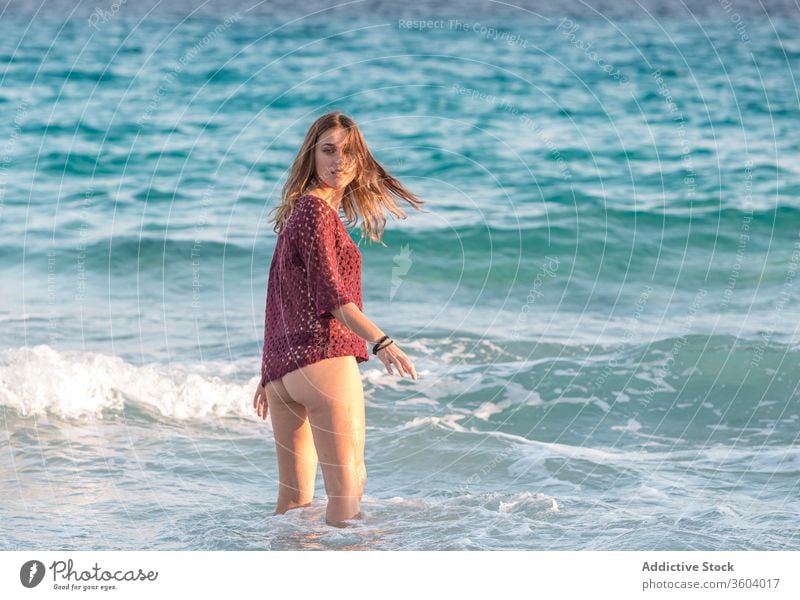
<point x="367" y="195"/>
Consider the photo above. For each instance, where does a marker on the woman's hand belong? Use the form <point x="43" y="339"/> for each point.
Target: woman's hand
<point x="260" y="402"/>
<point x="392" y="355"/>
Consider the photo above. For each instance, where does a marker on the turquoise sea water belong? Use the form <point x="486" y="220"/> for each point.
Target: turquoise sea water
<point x="601" y="301"/>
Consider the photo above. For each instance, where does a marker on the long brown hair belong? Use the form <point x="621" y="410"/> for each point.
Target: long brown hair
<point x="367" y="195"/>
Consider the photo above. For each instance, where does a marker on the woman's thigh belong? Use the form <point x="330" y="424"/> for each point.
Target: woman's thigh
<point x="294" y="444"/>
<point x="332" y="393"/>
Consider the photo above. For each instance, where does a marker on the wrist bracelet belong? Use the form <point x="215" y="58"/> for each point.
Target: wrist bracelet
<point x="378" y="343"/>
<point x="384" y="346"/>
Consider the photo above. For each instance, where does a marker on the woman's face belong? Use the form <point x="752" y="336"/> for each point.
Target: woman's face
<point x="335" y="167"/>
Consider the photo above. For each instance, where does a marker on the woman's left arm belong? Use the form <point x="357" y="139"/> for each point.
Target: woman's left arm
<point x="351" y="316"/>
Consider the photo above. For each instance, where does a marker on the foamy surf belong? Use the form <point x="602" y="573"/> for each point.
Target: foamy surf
<point x="42" y="381"/>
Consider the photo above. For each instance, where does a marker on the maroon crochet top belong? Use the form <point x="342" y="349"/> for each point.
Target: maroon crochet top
<point x="316" y="267"/>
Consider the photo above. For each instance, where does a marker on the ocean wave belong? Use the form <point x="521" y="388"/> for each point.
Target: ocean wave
<point x="699" y="387"/>
<point x="39" y="381"/>
<point x="609" y="242"/>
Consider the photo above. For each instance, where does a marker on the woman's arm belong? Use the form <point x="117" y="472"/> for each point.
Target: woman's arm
<point x="351" y="316"/>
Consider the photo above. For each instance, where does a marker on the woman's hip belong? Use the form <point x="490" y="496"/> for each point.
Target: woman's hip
<point x="330" y="380"/>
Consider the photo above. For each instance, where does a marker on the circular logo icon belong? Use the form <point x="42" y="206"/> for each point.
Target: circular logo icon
<point x="31" y="573"/>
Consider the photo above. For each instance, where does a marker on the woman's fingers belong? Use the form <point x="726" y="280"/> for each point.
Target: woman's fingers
<point x="387" y="361"/>
<point x="260" y="402"/>
<point x="406" y="364"/>
<point x="399" y="364"/>
<point x="264" y="408"/>
<point x="410" y="369"/>
<point x="400" y="361"/>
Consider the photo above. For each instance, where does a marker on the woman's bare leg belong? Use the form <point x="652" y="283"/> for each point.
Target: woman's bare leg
<point x="294" y="444"/>
<point x="333" y="396"/>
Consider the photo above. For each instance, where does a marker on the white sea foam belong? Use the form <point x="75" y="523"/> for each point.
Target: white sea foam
<point x="632" y="425"/>
<point x="498" y="502"/>
<point x="526" y="500"/>
<point x="487" y="409"/>
<point x="39" y="380"/>
<point x="444" y="422"/>
<point x="416" y="401"/>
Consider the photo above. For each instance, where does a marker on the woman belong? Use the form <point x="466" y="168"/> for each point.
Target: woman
<point x="314" y="331"/>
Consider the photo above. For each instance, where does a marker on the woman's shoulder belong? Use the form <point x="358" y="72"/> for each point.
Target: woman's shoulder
<point x="311" y="208"/>
<point x="310" y="200"/>
<point x="309" y="214"/>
